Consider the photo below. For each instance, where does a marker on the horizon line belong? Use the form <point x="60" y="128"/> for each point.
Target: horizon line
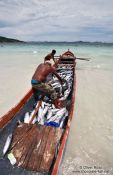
<point x="104" y="42"/>
<point x="79" y="41"/>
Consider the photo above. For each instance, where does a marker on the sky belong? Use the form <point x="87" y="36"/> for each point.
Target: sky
<point x="57" y="20"/>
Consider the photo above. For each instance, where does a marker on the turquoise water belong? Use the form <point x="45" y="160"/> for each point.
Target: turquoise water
<point x="101" y="55"/>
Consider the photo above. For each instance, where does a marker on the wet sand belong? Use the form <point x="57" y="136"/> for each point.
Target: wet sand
<point x="15" y="79"/>
<point x="90" y="142"/>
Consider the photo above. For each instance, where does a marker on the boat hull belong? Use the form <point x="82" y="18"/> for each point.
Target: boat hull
<point x="9" y="121"/>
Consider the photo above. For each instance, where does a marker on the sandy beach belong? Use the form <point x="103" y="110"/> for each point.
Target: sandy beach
<point x="90" y="140"/>
<point x="15" y="77"/>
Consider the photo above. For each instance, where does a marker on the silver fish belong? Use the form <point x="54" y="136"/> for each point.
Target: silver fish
<point x="43" y="104"/>
<point x="42" y="120"/>
<point x="58" y="116"/>
<point x="53" y="106"/>
<point x="61" y="111"/>
<point x="45" y="110"/>
<point x="63" y="119"/>
<point x="55" y="84"/>
<point x="26" y="118"/>
<point x="49" y="115"/>
<point x="7" y="144"/>
<point x="63" y="98"/>
<point x="40" y="112"/>
<point x="55" y="110"/>
<point x="48" y="104"/>
<point x="41" y="115"/>
<point x="55" y="79"/>
<point x="62" y="122"/>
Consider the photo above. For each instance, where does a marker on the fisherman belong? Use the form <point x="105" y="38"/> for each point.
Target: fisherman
<point x="50" y="56"/>
<point x="39" y="81"/>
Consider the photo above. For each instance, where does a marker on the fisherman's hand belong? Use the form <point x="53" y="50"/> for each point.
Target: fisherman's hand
<point x="49" y="83"/>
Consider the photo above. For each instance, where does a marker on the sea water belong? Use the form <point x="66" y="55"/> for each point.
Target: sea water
<point x="89" y="149"/>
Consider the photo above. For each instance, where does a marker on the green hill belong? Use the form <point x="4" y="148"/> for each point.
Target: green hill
<point x="9" y="40"/>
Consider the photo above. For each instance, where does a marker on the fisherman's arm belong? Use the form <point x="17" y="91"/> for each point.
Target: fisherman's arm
<point x="53" y="70"/>
<point x="52" y="57"/>
<point x="60" y="79"/>
<point x="58" y="60"/>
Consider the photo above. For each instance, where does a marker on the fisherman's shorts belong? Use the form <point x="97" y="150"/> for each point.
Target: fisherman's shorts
<point x="44" y="87"/>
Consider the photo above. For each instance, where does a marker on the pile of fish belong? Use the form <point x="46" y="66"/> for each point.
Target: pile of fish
<point x="47" y="113"/>
<point x="66" y="73"/>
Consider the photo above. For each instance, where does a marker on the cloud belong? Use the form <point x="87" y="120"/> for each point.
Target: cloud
<point x="57" y="20"/>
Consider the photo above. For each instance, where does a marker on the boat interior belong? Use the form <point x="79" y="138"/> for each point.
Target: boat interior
<point x="35" y="145"/>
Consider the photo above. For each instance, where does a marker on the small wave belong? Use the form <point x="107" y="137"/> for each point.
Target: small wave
<point x="98" y="66"/>
<point x="34" y="51"/>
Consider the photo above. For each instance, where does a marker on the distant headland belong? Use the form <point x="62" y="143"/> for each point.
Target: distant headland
<point x="5" y="40"/>
<point x="9" y="40"/>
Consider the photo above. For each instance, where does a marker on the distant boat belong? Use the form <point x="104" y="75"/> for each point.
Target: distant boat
<point x="39" y="138"/>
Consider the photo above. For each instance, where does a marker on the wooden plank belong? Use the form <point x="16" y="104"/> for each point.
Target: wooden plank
<point x="34" y="159"/>
<point x="41" y="149"/>
<point x="47" y="153"/>
<point x="29" y="157"/>
<point x="50" y="149"/>
<point x="28" y="146"/>
<point x="34" y="146"/>
<point x="21" y="147"/>
<point x="19" y="133"/>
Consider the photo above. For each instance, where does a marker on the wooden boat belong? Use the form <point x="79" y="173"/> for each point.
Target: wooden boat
<point x="37" y="148"/>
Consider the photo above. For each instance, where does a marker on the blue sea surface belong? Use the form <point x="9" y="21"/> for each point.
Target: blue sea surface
<point x="101" y="54"/>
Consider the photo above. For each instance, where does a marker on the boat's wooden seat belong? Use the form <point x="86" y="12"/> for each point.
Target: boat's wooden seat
<point x="34" y="146"/>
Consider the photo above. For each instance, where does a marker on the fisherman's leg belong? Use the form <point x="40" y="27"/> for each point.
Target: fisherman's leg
<point x="37" y="92"/>
<point x="50" y="91"/>
<point x="40" y="89"/>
